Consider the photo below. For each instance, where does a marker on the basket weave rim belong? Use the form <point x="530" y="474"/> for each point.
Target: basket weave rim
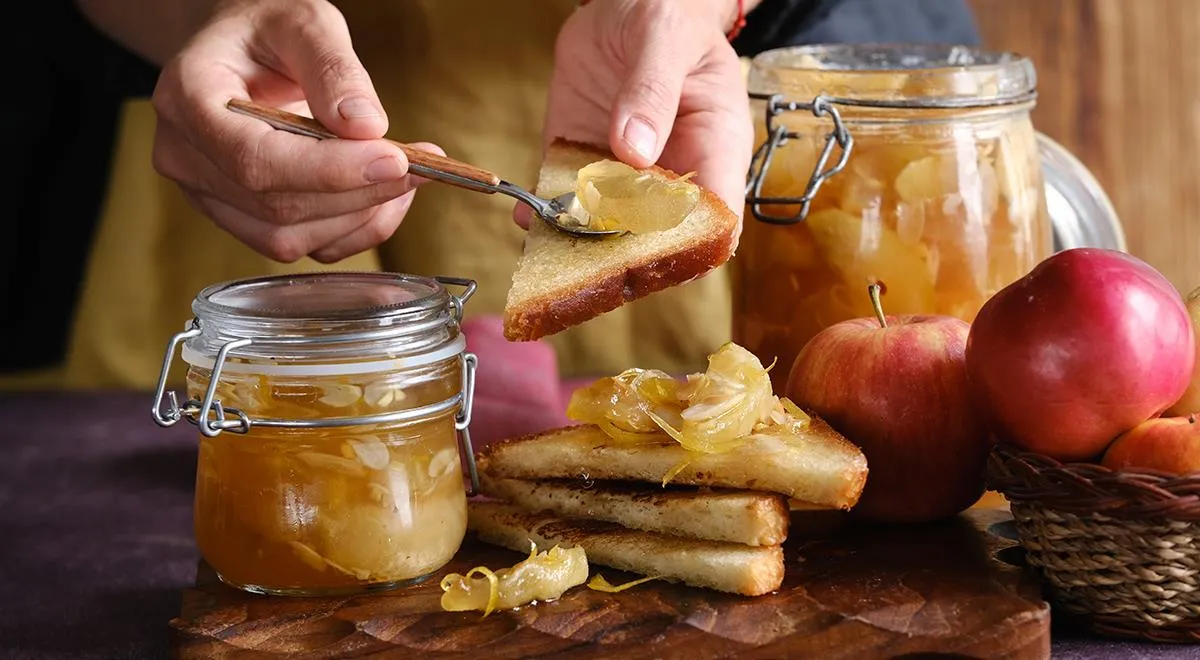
<point x="1091" y="488"/>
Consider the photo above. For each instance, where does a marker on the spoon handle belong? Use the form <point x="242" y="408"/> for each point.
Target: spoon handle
<point x="421" y="163"/>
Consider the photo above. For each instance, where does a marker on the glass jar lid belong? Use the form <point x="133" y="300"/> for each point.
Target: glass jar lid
<point x="319" y="325"/>
<point x="895" y="75"/>
<point x="322" y="296"/>
<point x="334" y="318"/>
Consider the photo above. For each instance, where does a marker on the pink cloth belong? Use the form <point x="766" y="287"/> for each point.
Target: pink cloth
<point x="517" y="385"/>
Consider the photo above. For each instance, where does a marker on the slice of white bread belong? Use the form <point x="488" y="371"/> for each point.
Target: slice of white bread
<point x="818" y="466"/>
<point x="736" y="516"/>
<point x="730" y="567"/>
<point x="563" y="280"/>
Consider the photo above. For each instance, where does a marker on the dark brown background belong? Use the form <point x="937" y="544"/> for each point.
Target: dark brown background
<point x="1119" y="85"/>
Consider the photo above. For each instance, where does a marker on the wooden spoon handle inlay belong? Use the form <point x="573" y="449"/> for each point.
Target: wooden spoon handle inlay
<point x="423" y="163"/>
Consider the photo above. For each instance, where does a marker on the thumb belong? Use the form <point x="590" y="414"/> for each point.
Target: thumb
<point x="314" y="47"/>
<point x="522" y="215"/>
<point x="646" y="104"/>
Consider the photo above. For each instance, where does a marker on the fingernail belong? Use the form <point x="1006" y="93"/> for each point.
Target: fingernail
<point x="358" y="107"/>
<point x="641" y="136"/>
<point x="383" y="169"/>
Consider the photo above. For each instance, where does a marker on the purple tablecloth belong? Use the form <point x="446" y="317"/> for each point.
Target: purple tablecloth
<point x="96" y="541"/>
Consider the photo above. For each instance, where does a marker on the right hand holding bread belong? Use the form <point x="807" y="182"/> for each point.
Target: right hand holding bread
<point x="655" y="82"/>
<point x="284" y="195"/>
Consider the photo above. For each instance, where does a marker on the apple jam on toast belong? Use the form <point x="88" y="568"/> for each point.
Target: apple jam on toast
<point x="683" y="480"/>
<point x="678" y="231"/>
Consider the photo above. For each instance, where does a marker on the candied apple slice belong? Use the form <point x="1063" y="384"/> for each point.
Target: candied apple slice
<point x="929" y="178"/>
<point x="315" y="561"/>
<point x="725" y="402"/>
<point x="253" y="481"/>
<point x="861" y="250"/>
<point x="405" y="540"/>
<point x="865" y="187"/>
<point x="366" y="539"/>
<point x="327" y="466"/>
<point x="367" y="450"/>
<point x="1017" y="162"/>
<point x="954" y="193"/>
<point x="339" y="395"/>
<point x="383" y="393"/>
<point x="540" y="577"/>
<point x="625" y="405"/>
<point x="889" y="158"/>
<point x="788" y="249"/>
<point x="617" y="196"/>
<point x="712" y="412"/>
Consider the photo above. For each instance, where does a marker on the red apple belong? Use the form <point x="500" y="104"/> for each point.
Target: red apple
<point x="897" y="387"/>
<point x="1168" y="444"/>
<point x="1087" y="345"/>
<point x="1190" y="401"/>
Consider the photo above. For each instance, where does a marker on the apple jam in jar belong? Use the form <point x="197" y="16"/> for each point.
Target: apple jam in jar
<point x="331" y="410"/>
<point x="914" y="165"/>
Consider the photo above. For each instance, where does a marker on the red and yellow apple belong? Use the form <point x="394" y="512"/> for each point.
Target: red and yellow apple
<point x="1167" y="444"/>
<point x="1089" y="344"/>
<point x="1190" y="401"/>
<point x="897" y="387"/>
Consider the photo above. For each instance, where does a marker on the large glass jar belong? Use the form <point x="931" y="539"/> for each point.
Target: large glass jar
<point x="330" y="408"/>
<point x="914" y="165"/>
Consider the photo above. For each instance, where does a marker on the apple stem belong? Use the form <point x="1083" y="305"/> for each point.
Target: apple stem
<point x="1192" y="418"/>
<point x="873" y="289"/>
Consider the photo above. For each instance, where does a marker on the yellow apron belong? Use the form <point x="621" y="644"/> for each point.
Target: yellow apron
<point x="469" y="75"/>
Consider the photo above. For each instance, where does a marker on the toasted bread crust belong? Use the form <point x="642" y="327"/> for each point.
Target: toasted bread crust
<point x="548" y="315"/>
<point x="729" y="567"/>
<point x="557" y="311"/>
<point x="820" y="466"/>
<point x="715" y="514"/>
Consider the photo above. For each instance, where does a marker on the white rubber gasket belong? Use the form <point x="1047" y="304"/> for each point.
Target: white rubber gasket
<point x="202" y="361"/>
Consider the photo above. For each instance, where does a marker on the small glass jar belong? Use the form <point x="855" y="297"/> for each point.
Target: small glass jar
<point x="914" y="165"/>
<point x="331" y="410"/>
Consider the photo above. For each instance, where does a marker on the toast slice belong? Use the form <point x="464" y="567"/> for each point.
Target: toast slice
<point x="735" y="516"/>
<point x="819" y="466"/>
<point x="562" y="280"/>
<point x="729" y="567"/>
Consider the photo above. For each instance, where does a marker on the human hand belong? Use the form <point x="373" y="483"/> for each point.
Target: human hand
<point x="284" y="195"/>
<point x="657" y="81"/>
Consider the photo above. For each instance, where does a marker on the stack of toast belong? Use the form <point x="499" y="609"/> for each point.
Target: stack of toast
<point x="719" y="524"/>
<point x="721" y="520"/>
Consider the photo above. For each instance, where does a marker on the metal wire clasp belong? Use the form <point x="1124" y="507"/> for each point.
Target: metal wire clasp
<point x="208" y="414"/>
<point x="457" y="302"/>
<point x="462" y="420"/>
<point x="777" y="136"/>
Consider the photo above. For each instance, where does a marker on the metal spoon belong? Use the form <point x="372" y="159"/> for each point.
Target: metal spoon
<point x="560" y="212"/>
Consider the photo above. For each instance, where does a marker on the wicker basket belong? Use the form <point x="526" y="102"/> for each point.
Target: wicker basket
<point x="1118" y="550"/>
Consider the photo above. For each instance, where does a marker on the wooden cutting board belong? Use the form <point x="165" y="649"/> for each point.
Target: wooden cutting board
<point x="849" y="593"/>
